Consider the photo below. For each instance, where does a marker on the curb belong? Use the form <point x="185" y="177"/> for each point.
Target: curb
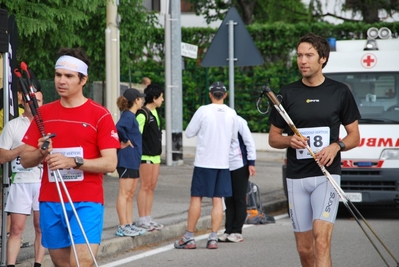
<point x="110" y="247"/>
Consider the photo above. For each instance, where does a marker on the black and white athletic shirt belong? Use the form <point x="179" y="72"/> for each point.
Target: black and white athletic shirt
<point x="318" y="113"/>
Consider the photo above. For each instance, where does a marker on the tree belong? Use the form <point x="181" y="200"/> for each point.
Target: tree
<point x="292" y="11"/>
<point x="288" y="11"/>
<point x="368" y="9"/>
<point x="44" y="26"/>
<point x="253" y="11"/>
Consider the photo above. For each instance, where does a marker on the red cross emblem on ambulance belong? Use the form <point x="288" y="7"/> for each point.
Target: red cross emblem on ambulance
<point x="368" y="61"/>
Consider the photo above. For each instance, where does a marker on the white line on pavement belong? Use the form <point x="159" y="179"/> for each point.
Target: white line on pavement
<point x="170" y="247"/>
<point x="147" y="254"/>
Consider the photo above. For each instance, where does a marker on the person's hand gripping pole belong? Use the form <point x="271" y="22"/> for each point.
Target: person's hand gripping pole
<point x="347" y="202"/>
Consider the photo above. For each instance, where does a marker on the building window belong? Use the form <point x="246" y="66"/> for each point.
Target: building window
<point x="156" y="5"/>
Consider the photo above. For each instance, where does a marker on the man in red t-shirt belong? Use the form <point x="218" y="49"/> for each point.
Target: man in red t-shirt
<point x="84" y="147"/>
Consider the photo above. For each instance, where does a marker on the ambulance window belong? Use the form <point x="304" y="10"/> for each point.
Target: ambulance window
<point x="385" y="86"/>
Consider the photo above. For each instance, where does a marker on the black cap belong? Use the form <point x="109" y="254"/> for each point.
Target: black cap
<point x="132" y="94"/>
<point x="217" y="87"/>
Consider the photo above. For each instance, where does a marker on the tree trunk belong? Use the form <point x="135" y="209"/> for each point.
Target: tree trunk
<point x="247" y="7"/>
<point x="368" y="9"/>
<point x="370" y="14"/>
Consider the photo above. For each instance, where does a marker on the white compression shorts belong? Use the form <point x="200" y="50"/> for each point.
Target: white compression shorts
<point x="312" y="198"/>
<point x="23" y="198"/>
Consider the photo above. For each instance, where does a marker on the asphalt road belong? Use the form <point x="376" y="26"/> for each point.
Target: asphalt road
<point x="273" y="245"/>
<point x="171" y="202"/>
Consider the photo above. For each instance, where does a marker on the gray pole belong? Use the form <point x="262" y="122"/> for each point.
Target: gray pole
<point x="175" y="151"/>
<point x="168" y="87"/>
<point x="112" y="59"/>
<point x="231" y="60"/>
<point x="6" y="170"/>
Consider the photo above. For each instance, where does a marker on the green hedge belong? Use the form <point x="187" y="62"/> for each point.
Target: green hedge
<point x="276" y="43"/>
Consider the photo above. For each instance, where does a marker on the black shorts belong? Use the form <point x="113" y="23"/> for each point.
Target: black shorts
<point x="128" y="173"/>
<point x="147" y="162"/>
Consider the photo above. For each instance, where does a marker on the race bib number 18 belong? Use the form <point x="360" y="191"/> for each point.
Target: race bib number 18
<point x="319" y="137"/>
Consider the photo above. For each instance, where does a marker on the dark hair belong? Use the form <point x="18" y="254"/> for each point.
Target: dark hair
<point x="218" y="95"/>
<point x="319" y="43"/>
<point x="152" y="91"/>
<point x="77" y="52"/>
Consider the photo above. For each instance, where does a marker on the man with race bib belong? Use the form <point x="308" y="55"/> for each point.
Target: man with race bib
<point x="318" y="106"/>
<point x="83" y="148"/>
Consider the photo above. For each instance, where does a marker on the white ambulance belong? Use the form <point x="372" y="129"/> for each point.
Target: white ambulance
<point x="370" y="172"/>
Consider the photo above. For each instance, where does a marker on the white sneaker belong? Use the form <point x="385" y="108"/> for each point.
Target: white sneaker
<point x="235" y="238"/>
<point x="223" y="237"/>
<point x="146" y="226"/>
<point x="157" y="226"/>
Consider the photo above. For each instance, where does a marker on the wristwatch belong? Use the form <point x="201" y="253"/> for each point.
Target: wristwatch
<point x="78" y="162"/>
<point x="341" y="145"/>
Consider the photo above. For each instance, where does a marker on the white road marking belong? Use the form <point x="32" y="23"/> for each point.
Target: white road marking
<point x="170" y="247"/>
<point x="149" y="253"/>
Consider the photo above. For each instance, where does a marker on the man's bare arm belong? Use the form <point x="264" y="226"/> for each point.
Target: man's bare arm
<point x="9" y="155"/>
<point x="32" y="156"/>
<point x="278" y="140"/>
<point x="106" y="163"/>
<point x="352" y="139"/>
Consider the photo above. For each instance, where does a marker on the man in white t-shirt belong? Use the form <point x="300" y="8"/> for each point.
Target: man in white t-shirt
<point x="25" y="185"/>
<point x="215" y="126"/>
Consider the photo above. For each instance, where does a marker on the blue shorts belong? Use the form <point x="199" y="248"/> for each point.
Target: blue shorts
<point x="211" y="183"/>
<point x="55" y="233"/>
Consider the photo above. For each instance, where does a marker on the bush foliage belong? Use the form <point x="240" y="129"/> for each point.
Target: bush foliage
<point x="276" y="42"/>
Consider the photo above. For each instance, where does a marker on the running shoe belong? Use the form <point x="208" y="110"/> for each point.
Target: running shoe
<point x="223" y="237"/>
<point x="157" y="226"/>
<point x="212" y="243"/>
<point x="146" y="226"/>
<point x="141" y="231"/>
<point x="185" y="243"/>
<point x="126" y="231"/>
<point x="235" y="238"/>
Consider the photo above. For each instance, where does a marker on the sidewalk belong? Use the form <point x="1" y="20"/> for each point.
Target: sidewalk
<point x="171" y="202"/>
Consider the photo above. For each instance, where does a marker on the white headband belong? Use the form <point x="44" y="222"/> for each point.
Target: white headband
<point x="71" y="63"/>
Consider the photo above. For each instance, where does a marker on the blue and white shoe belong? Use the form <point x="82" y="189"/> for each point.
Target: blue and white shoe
<point x="135" y="228"/>
<point x="126" y="231"/>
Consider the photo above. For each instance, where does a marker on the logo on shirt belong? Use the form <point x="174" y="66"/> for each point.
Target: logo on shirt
<point x="312" y="100"/>
<point x="114" y="135"/>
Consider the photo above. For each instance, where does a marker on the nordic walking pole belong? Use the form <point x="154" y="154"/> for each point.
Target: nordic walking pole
<point x="270" y="94"/>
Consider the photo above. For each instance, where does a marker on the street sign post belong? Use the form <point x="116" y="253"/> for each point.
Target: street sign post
<point x="232" y="46"/>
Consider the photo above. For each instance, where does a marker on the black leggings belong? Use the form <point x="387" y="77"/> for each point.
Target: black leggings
<point x="236" y="205"/>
